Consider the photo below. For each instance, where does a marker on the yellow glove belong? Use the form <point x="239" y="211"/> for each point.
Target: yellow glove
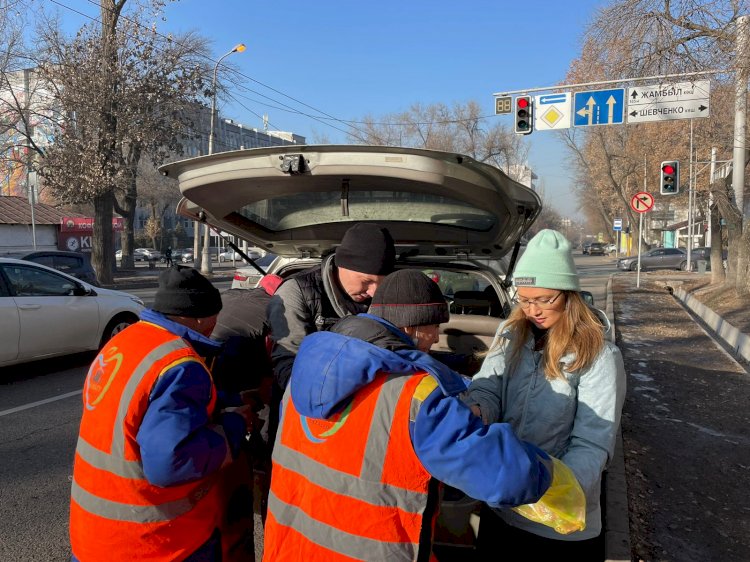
<point x="563" y="505"/>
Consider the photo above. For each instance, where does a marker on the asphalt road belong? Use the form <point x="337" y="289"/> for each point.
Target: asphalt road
<point x="40" y="410"/>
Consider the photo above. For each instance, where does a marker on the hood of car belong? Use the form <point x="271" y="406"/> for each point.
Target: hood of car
<point x="298" y="201"/>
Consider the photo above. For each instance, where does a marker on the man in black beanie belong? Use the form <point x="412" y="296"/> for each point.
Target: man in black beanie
<point x="150" y="400"/>
<point x="315" y="299"/>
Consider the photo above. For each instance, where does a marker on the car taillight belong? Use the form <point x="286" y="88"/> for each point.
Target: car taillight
<point x="240" y="277"/>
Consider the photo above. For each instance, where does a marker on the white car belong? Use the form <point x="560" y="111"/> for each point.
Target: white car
<point x="45" y="313"/>
<point x="147" y="254"/>
<point x="231" y="255"/>
<point x="450" y="216"/>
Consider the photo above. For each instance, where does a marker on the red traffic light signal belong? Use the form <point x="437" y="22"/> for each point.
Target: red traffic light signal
<point x="524" y="115"/>
<point x="670" y="178"/>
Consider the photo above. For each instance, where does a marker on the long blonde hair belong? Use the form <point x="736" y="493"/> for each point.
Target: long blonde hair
<point x="578" y="331"/>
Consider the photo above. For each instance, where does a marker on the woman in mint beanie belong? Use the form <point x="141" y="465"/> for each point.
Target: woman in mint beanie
<point x="554" y="378"/>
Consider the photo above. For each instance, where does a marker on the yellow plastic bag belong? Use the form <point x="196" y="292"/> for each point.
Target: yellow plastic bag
<point x="563" y="505"/>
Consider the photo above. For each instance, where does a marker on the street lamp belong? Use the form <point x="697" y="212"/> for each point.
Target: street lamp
<point x="206" y="261"/>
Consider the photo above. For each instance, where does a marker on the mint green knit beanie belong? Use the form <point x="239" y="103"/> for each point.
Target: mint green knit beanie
<point x="548" y="263"/>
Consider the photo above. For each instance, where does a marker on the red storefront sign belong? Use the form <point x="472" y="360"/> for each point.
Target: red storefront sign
<point x="86" y="224"/>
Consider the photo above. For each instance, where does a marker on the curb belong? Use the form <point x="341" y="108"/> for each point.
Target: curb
<point x="153" y="282"/>
<point x="616" y="516"/>
<point x="737" y="341"/>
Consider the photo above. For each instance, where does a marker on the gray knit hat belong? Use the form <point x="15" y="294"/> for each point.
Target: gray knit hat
<point x="548" y="263"/>
<point x="409" y="298"/>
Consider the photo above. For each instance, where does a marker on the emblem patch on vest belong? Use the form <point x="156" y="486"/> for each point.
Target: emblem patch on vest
<point x="524" y="281"/>
<point x="100" y="377"/>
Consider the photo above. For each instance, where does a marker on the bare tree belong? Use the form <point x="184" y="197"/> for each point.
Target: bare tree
<point x="127" y="92"/>
<point x="460" y="128"/>
<point x="656" y="37"/>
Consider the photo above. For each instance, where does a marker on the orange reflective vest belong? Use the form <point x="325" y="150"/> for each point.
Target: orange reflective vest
<point x="115" y="513"/>
<point x="350" y="487"/>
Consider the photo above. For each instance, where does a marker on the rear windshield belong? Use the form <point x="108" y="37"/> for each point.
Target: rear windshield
<point x="307" y="209"/>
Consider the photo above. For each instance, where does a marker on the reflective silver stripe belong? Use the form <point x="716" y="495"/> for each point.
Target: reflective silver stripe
<point x="346" y="484"/>
<point x="116" y="464"/>
<point x="118" y="433"/>
<point x="131" y="513"/>
<point x="380" y="427"/>
<point x="338" y="541"/>
<point x="103" y="461"/>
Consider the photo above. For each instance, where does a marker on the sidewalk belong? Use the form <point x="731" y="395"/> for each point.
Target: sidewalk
<point x="142" y="276"/>
<point x="677" y="493"/>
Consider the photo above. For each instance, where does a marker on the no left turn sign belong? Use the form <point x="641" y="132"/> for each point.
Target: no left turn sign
<point x="642" y="202"/>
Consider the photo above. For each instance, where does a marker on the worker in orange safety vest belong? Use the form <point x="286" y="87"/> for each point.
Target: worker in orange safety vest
<point x="370" y="423"/>
<point x="156" y="450"/>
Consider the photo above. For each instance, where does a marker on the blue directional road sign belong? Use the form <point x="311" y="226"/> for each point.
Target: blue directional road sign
<point x="599" y="107"/>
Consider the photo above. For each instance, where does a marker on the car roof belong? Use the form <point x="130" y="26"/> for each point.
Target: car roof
<point x="40" y="266"/>
<point x="299" y="201"/>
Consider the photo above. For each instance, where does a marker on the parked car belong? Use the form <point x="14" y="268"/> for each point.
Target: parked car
<point x="76" y="264"/>
<point x="657" y="258"/>
<point x="147" y="254"/>
<point x="704" y="253"/>
<point x="445" y="211"/>
<point x="231" y="255"/>
<point x="586" y="247"/>
<point x="610" y="248"/>
<point x="38" y="304"/>
<point x="597" y="249"/>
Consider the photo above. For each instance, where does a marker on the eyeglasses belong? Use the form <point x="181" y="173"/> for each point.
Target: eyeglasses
<point x="539" y="303"/>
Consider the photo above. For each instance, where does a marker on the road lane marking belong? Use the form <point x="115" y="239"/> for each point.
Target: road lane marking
<point x="39" y="403"/>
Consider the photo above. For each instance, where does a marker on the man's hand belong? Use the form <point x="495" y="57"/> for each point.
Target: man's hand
<point x="247" y="413"/>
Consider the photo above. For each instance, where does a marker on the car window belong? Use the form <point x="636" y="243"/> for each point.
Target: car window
<point x="468" y="293"/>
<point x="672" y="251"/>
<point x="68" y="263"/>
<point x="33" y="282"/>
<point x="657" y="253"/>
<point x="306" y="209"/>
<point x="44" y="260"/>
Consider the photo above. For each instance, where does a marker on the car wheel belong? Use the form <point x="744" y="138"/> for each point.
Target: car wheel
<point x="684" y="266"/>
<point x="117" y="325"/>
<point x="634" y="266"/>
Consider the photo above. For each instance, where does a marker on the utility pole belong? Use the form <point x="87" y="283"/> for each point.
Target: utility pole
<point x="740" y="112"/>
<point x="28" y="130"/>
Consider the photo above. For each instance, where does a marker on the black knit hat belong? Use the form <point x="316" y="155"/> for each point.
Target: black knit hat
<point x="409" y="298"/>
<point x="367" y="248"/>
<point x="183" y="291"/>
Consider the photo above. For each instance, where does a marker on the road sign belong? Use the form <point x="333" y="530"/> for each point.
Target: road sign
<point x="599" y="107"/>
<point x="617" y="224"/>
<point x="681" y="100"/>
<point x="552" y="111"/>
<point x="642" y="202"/>
<point x="503" y="105"/>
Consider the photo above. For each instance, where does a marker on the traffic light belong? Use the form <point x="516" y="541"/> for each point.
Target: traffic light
<point x="670" y="177"/>
<point x="524" y="115"/>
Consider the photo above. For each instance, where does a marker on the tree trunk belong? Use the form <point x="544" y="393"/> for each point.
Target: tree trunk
<point x="127" y="210"/>
<point x="102" y="255"/>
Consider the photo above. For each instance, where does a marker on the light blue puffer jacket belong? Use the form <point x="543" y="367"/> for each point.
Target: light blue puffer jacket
<point x="575" y="419"/>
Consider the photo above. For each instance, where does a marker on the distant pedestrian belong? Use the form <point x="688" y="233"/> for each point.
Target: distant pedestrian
<point x="157" y="473"/>
<point x="168" y="256"/>
<point x="554" y="378"/>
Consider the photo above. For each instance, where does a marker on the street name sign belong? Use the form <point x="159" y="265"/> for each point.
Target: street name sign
<point x="617" y="224"/>
<point x="599" y="107"/>
<point x="642" y="202"/>
<point x="552" y="112"/>
<point x="664" y="102"/>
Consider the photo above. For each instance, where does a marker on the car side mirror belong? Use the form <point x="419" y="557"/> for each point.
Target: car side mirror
<point x="80" y="291"/>
<point x="588" y="297"/>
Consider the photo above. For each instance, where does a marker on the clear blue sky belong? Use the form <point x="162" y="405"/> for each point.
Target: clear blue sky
<point x="351" y="58"/>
